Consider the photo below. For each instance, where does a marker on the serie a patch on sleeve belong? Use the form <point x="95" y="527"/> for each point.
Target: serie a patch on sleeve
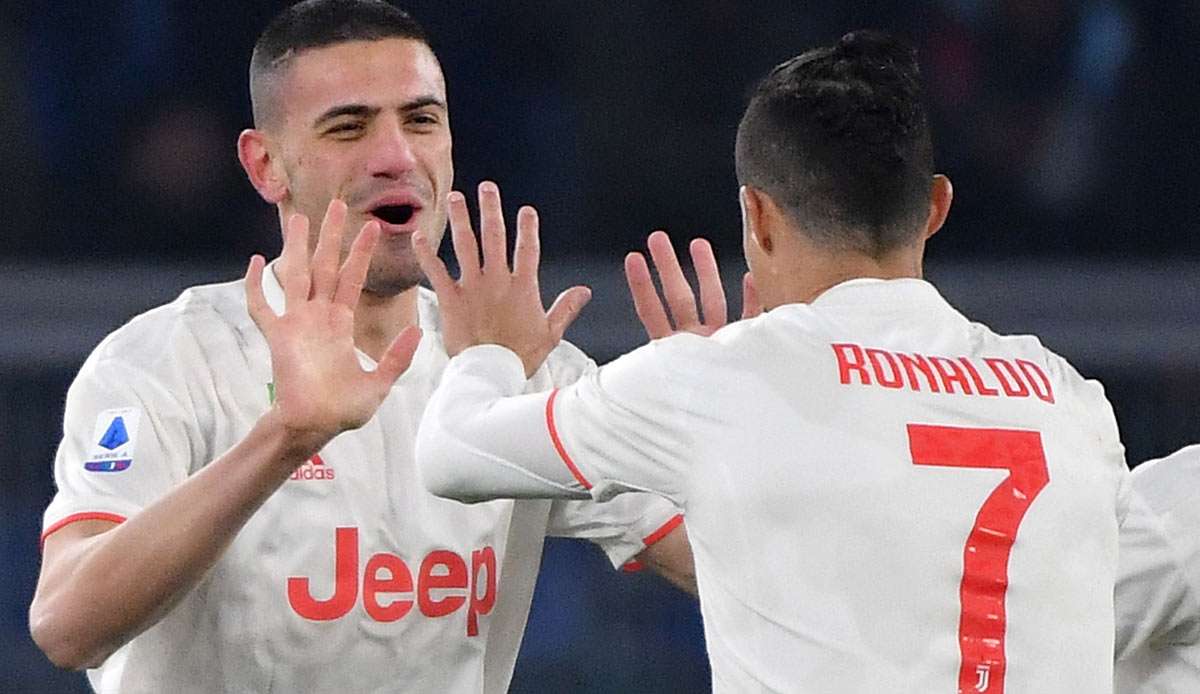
<point x="113" y="440"/>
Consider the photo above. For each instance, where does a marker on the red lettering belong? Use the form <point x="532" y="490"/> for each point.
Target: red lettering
<point x="387" y="585"/>
<point x="916" y="361"/>
<point x="976" y="378"/>
<point x="846" y="364"/>
<point x="894" y="379"/>
<point x="1044" y="392"/>
<point x="454" y="578"/>
<point x="345" y="592"/>
<point x="399" y="580"/>
<point x="951" y="374"/>
<point x="481" y="559"/>
<point x="1012" y="384"/>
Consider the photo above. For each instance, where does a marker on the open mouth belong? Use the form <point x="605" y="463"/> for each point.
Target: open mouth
<point x="395" y="214"/>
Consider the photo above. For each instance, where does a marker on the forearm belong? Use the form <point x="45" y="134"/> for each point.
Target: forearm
<point x="158" y="555"/>
<point x="481" y="439"/>
<point x="671" y="558"/>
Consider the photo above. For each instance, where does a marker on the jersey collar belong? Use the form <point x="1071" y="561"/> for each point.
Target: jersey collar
<point x="428" y="318"/>
<point x="907" y="292"/>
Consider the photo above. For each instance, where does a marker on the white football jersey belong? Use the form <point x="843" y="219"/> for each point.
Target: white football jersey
<point x="351" y="577"/>
<point x="880" y="494"/>
<point x="1158" y="592"/>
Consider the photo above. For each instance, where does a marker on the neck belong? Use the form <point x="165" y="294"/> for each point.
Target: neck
<point x="378" y="319"/>
<point x="811" y="274"/>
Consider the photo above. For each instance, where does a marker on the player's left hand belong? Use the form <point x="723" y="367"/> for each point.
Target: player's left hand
<point x="489" y="303"/>
<point x="685" y="315"/>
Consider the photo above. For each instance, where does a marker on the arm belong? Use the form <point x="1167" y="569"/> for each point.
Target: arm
<point x="101" y="583"/>
<point x="154" y="558"/>
<point x="671" y="558"/>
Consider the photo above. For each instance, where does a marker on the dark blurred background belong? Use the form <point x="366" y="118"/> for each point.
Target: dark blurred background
<point x="1068" y="128"/>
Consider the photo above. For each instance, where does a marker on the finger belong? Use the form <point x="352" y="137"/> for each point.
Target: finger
<point x="433" y="267"/>
<point x="463" y="237"/>
<point x="353" y="274"/>
<point x="680" y="299"/>
<point x="646" y="302"/>
<point x="296" y="277"/>
<point x="528" y="249"/>
<point x="492" y="234"/>
<point x="566" y="309"/>
<point x="256" y="301"/>
<point x="708" y="276"/>
<point x="398" y="356"/>
<point x="751" y="304"/>
<point x="325" y="258"/>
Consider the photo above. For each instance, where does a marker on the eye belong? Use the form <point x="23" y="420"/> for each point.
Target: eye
<point x="424" y="118"/>
<point x="345" y="129"/>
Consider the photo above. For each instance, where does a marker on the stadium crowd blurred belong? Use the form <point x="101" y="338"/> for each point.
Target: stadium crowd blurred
<point x="1068" y="128"/>
<point x="1062" y="122"/>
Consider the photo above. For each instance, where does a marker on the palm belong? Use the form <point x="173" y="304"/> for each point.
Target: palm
<point x="320" y="387"/>
<point x="489" y="304"/>
<point x="685" y="315"/>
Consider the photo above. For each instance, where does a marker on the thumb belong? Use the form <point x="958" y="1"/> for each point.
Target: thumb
<point x="398" y="356"/>
<point x="566" y="309"/>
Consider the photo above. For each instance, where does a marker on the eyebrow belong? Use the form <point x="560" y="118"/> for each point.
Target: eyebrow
<point x="361" y="110"/>
<point x="364" y="111"/>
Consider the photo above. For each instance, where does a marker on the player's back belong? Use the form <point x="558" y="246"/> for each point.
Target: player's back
<point x="892" y="498"/>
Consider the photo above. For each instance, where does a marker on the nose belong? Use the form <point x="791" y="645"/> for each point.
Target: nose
<point x="392" y="153"/>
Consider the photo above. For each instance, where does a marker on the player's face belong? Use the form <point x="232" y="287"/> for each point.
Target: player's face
<point x="366" y="121"/>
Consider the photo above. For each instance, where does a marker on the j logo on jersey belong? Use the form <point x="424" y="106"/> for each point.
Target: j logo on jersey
<point x="114" y="437"/>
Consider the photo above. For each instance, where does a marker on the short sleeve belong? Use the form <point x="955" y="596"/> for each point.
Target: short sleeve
<point x="622" y="527"/>
<point x="126" y="441"/>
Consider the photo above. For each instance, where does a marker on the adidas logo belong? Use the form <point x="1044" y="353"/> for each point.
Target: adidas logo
<point x="314" y="469"/>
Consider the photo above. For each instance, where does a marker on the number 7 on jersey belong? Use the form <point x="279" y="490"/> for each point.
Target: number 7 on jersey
<point x="982" y="623"/>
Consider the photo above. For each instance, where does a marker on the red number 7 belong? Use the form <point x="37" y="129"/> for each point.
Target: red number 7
<point x="981" y="624"/>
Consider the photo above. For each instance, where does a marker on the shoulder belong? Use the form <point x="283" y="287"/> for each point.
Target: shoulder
<point x="1171" y="480"/>
<point x="202" y="320"/>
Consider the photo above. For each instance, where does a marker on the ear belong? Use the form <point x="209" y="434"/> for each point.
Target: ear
<point x="941" y="195"/>
<point x="264" y="172"/>
<point x="755" y="204"/>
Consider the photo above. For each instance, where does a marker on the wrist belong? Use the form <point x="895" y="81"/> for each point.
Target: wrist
<point x="292" y="446"/>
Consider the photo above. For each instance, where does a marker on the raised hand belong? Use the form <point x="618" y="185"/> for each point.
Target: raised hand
<point x="685" y="315"/>
<point x="490" y="304"/>
<point x="321" y="389"/>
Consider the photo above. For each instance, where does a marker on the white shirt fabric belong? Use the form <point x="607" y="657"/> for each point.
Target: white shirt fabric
<point x="825" y="492"/>
<point x="1158" y="593"/>
<point x="351" y="577"/>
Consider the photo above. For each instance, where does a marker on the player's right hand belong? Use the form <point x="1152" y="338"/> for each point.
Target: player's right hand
<point x="685" y="316"/>
<point x="321" y="388"/>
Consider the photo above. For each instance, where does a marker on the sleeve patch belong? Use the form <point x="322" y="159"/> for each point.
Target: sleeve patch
<point x="113" y="440"/>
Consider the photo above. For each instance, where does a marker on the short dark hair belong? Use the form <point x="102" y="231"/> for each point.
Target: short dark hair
<point x="317" y="24"/>
<point x="838" y="136"/>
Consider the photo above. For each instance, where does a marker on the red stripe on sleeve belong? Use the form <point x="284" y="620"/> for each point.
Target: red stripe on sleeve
<point x="76" y="517"/>
<point x="558" y="446"/>
<point x="664" y="530"/>
<point x="633" y="565"/>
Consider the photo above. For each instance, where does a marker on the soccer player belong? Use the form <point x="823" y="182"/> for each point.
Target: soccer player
<point x="1158" y="591"/>
<point x="881" y="494"/>
<point x="238" y="508"/>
